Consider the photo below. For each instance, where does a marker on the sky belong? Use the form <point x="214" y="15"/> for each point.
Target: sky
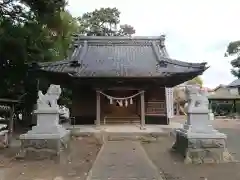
<point x="196" y="31"/>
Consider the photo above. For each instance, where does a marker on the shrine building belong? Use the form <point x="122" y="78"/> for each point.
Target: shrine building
<point x="120" y="80"/>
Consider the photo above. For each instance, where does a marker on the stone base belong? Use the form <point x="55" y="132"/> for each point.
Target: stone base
<point x="202" y="150"/>
<point x="3" y="139"/>
<point x="44" y="146"/>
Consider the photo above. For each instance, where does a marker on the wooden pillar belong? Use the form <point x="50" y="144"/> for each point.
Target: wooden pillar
<point x="142" y="99"/>
<point x="234" y="106"/>
<point x="98" y="108"/>
<point x="11" y="124"/>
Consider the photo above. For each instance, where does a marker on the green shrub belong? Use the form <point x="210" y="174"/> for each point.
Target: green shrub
<point x="224" y="108"/>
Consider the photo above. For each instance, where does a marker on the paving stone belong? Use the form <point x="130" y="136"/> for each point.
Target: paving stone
<point x="2" y="174"/>
<point x="123" y="160"/>
<point x="59" y="178"/>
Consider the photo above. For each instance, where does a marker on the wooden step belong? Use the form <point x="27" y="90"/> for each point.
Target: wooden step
<point x="121" y="120"/>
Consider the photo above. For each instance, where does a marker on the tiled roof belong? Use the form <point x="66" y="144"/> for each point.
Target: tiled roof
<point x="223" y="96"/>
<point x="235" y="83"/>
<point x="121" y="57"/>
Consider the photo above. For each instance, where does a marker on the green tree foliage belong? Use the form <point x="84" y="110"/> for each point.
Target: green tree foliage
<point x="126" y="30"/>
<point x="179" y="93"/>
<point x="195" y="81"/>
<point x="104" y="22"/>
<point x="31" y="31"/>
<point x="63" y="35"/>
<point x="233" y="50"/>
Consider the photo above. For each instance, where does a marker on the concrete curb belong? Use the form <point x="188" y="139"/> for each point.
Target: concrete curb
<point x="89" y="176"/>
<point x="151" y="163"/>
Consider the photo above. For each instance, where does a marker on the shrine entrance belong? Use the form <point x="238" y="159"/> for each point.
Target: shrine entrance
<point x="120" y="107"/>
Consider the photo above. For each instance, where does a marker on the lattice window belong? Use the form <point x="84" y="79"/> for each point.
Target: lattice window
<point x="155" y="108"/>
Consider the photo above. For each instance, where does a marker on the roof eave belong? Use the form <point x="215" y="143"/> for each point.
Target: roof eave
<point x="167" y="74"/>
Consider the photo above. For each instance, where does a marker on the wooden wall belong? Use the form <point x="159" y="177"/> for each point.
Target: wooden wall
<point x="155" y="101"/>
<point x="84" y="105"/>
<point x="155" y="106"/>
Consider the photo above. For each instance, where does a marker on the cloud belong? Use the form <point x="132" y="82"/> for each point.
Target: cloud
<point x="196" y="30"/>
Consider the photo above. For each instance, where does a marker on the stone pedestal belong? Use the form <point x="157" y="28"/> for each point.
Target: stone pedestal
<point x="202" y="147"/>
<point x="198" y="141"/>
<point x="3" y="139"/>
<point x="48" y="139"/>
<point x="3" y="136"/>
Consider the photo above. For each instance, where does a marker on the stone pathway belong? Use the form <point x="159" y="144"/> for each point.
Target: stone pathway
<point x="123" y="160"/>
<point x="2" y="174"/>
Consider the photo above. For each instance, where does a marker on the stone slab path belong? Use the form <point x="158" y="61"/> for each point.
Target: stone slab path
<point x="123" y="160"/>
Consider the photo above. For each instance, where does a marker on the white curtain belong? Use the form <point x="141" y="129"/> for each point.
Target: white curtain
<point x="169" y="102"/>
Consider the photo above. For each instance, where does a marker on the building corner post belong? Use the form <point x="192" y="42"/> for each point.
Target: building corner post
<point x="98" y="108"/>
<point x="142" y="99"/>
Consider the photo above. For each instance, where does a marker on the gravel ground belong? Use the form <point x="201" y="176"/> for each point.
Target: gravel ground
<point x="233" y="142"/>
<point x="84" y="151"/>
<point x="79" y="161"/>
<point x="217" y="123"/>
<point x="172" y="167"/>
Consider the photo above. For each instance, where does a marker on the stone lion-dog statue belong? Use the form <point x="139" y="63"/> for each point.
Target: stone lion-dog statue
<point x="197" y="98"/>
<point x="49" y="100"/>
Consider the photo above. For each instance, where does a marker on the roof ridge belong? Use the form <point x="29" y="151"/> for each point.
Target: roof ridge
<point x="83" y="37"/>
<point x="118" y="40"/>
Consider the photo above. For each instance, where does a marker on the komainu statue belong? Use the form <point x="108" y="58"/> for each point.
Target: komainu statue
<point x="197" y="99"/>
<point x="49" y="100"/>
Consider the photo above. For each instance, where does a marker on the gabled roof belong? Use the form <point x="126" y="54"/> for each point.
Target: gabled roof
<point x="96" y="56"/>
<point x="223" y="97"/>
<point x="222" y="92"/>
<point x="218" y="87"/>
<point x="235" y="83"/>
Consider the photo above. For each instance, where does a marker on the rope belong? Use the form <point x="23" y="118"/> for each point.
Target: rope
<point x="4" y="108"/>
<point x="118" y="98"/>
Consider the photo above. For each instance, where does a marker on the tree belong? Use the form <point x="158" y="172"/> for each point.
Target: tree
<point x="126" y="30"/>
<point x="31" y="31"/>
<point x="68" y="26"/>
<point x="179" y="98"/>
<point x="180" y="95"/>
<point x="104" y="22"/>
<point x="195" y="81"/>
<point x="233" y="50"/>
<point x="26" y="35"/>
